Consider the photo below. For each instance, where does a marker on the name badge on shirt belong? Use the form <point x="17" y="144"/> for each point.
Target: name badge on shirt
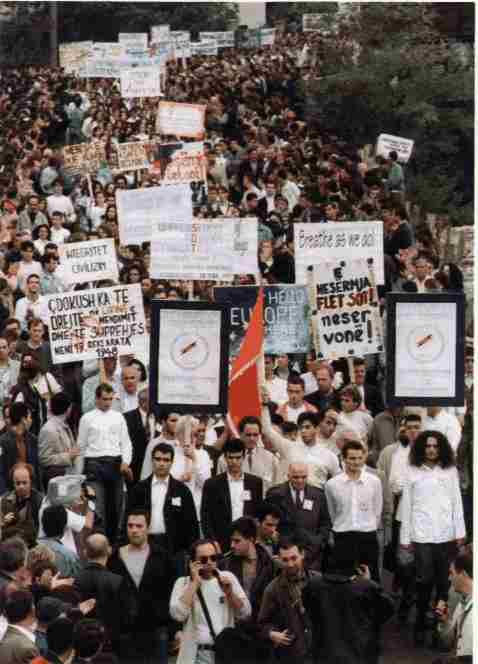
<point x="363" y="507"/>
<point x="308" y="505"/>
<point x="246" y="495"/>
<point x="176" y="502"/>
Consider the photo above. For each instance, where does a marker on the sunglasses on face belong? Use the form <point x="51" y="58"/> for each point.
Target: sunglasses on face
<point x="204" y="559"/>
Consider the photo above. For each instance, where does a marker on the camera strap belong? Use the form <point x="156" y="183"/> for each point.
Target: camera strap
<point x="207" y="615"/>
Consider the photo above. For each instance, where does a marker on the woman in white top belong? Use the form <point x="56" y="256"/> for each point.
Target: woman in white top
<point x="41" y="237"/>
<point x="97" y="211"/>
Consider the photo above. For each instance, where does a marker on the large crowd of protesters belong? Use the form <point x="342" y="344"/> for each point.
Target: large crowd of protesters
<point x="173" y="537"/>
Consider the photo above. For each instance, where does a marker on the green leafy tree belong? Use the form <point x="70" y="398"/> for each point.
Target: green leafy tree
<point x="401" y="76"/>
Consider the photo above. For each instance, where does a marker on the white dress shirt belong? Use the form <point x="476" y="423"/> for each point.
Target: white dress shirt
<point x="359" y="420"/>
<point x="200" y="470"/>
<point x="447" y="424"/>
<point x="236" y="491"/>
<point x="127" y="401"/>
<point x="104" y="434"/>
<point x="24" y="304"/>
<point x="432" y="508"/>
<point x="277" y="388"/>
<point x="159" y="489"/>
<point x="260" y="462"/>
<point x="355" y="505"/>
<point x="310" y="382"/>
<point x="321" y="462"/>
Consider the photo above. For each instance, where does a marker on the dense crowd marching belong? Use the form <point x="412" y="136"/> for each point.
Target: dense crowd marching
<point x="303" y="514"/>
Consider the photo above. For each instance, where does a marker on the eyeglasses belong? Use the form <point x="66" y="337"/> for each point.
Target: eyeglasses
<point x="204" y="559"/>
<point x="161" y="459"/>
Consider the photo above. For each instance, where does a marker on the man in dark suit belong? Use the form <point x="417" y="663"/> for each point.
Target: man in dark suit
<point x="97" y="582"/>
<point x="305" y="511"/>
<point x="146" y="591"/>
<point x="252" y="166"/>
<point x="18" y="444"/>
<point x="174" y="523"/>
<point x="229" y="495"/>
<point x="139" y="429"/>
<point x="371" y="395"/>
<point x="17" y="647"/>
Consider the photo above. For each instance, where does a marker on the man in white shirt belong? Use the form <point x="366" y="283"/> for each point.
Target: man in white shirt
<point x="58" y="234"/>
<point x="327" y="429"/>
<point x="295" y="405"/>
<point x="30" y="306"/>
<point x="355" y="502"/>
<point x="27" y="265"/>
<point x="106" y="453"/>
<point x="58" y="202"/>
<point x="351" y="416"/>
<point x="321" y="462"/>
<point x="432" y="518"/>
<point x="257" y="461"/>
<point x="439" y="419"/>
<point x="128" y="393"/>
<point x="221" y="592"/>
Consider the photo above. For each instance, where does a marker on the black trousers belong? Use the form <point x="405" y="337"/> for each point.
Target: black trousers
<point x="362" y="547"/>
<point x="432" y="563"/>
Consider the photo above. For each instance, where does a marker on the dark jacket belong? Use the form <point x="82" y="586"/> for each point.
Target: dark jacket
<point x="28" y="528"/>
<point x="182" y="528"/>
<point x="322" y="402"/>
<point x="264" y="574"/>
<point x="146" y="607"/>
<point x="216" y="508"/>
<point x="346" y="618"/>
<point x="279" y="611"/>
<point x="139" y="439"/>
<point x="373" y="399"/>
<point x="96" y="581"/>
<point x="9" y="457"/>
<point x="312" y="526"/>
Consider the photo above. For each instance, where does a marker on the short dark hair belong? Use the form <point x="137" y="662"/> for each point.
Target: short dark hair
<point x="249" y="419"/>
<point x="33" y="276"/>
<point x="201" y="542"/>
<point x="138" y="511"/>
<point x="60" y="403"/>
<point x="296" y="380"/>
<point x="88" y="637"/>
<point x="233" y="446"/>
<point x="54" y="520"/>
<point x="267" y="508"/>
<point x="164" y="448"/>
<point x="245" y="526"/>
<point x="359" y="362"/>
<point x="103" y="387"/>
<point x="18" y="606"/>
<point x="13" y="553"/>
<point x="445" y="451"/>
<point x="59" y="635"/>
<point x="352" y="445"/>
<point x="289" y="427"/>
<point x="307" y="417"/>
<point x="412" y="417"/>
<point x="464" y="561"/>
<point x="27" y="244"/>
<point x="289" y="542"/>
<point x="18" y="411"/>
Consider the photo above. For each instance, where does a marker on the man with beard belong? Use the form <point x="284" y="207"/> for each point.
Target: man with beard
<point x="282" y="618"/>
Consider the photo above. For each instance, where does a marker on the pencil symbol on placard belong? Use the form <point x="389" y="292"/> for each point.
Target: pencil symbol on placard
<point x="189" y="347"/>
<point x="424" y="340"/>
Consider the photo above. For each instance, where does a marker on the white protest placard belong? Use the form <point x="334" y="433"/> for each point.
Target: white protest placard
<point x="315" y="243"/>
<point x="209" y="47"/>
<point x="132" y="156"/>
<point x="345" y="314"/>
<point x="179" y="36"/>
<point x="74" y="56"/>
<point x="96" y="323"/>
<point x="311" y="22"/>
<point x="268" y="36"/>
<point x="140" y="82"/>
<point x="88" y="261"/>
<point x="159" y="34"/>
<point x="177" y="119"/>
<point x="136" y="39"/>
<point x="184" y="251"/>
<point x="245" y="245"/>
<point x="402" y="146"/>
<point x="140" y="209"/>
<point x="185" y="162"/>
<point x="105" y="60"/>
<point x="223" y="39"/>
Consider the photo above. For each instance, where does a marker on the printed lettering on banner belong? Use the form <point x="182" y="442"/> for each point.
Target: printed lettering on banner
<point x="209" y="47"/>
<point x="223" y="39"/>
<point x="346" y="320"/>
<point x="74" y="56"/>
<point x="132" y="156"/>
<point x="178" y="119"/>
<point x="402" y="146"/>
<point x="84" y="157"/>
<point x="245" y="245"/>
<point x="286" y="317"/>
<point x="314" y="243"/>
<point x="82" y="262"/>
<point x="140" y="82"/>
<point x="96" y="323"/>
<point x="140" y="209"/>
<point x="136" y="39"/>
<point x="183" y="250"/>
